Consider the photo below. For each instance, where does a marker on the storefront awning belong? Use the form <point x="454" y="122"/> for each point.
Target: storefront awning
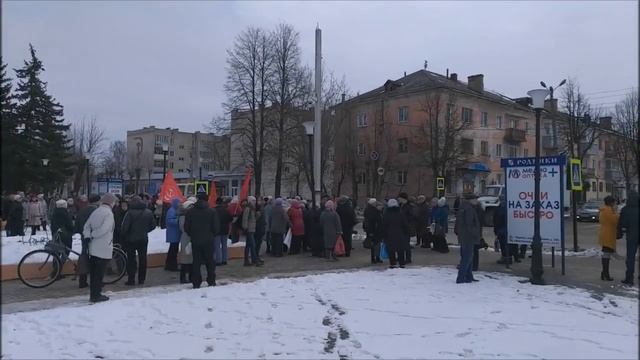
<point x="478" y="166"/>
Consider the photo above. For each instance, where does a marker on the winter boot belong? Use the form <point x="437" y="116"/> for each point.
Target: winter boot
<point x="628" y="279"/>
<point x="604" y="275"/>
<point x="183" y="275"/>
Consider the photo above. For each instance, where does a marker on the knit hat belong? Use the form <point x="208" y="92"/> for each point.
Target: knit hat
<point x="187" y="204"/>
<point x="329" y="205"/>
<point x="108" y="199"/>
<point x="278" y="202"/>
<point x="202" y="196"/>
<point x="193" y="199"/>
<point x="61" y="203"/>
<point x="372" y="201"/>
<point x="251" y="199"/>
<point x="392" y="203"/>
<point x="442" y="202"/>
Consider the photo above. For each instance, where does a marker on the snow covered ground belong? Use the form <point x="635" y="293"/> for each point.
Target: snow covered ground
<point x="15" y="247"/>
<point x="401" y="313"/>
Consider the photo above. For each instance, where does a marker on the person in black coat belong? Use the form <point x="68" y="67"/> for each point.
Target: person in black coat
<point x="500" y="230"/>
<point x="61" y="220"/>
<point x="222" y="235"/>
<point x="15" y="218"/>
<point x="422" y="222"/>
<point x="409" y="211"/>
<point x="396" y="233"/>
<point x="483" y="243"/>
<point x="118" y="216"/>
<point x="372" y="227"/>
<point x="348" y="220"/>
<point x="137" y="223"/>
<point x="628" y="224"/>
<point x="201" y="224"/>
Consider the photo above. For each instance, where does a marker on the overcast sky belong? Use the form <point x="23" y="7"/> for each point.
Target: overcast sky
<point x="133" y="64"/>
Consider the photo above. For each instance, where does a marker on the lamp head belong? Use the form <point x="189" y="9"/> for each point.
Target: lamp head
<point x="537" y="97"/>
<point x="45" y="162"/>
<point x="165" y="147"/>
<point x="561" y="83"/>
<point x="308" y="127"/>
<point x="543" y="84"/>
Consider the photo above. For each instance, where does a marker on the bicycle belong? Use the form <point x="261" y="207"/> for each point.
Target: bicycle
<point x="41" y="268"/>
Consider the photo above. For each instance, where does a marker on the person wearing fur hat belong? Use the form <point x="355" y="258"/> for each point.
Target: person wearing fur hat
<point x="249" y="221"/>
<point x="138" y="222"/>
<point x="42" y="203"/>
<point x="395" y="229"/>
<point x="62" y="221"/>
<point x="279" y="224"/>
<point x="99" y="230"/>
<point x="441" y="228"/>
<point x="372" y="227"/>
<point x="185" y="256"/>
<point x="331" y="228"/>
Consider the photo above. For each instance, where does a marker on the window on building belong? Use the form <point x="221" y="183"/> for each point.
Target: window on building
<point x="180" y="159"/>
<point x="403" y="114"/>
<point x="158" y="163"/>
<point x="180" y="170"/>
<point x="593" y="163"/>
<point x="547" y="128"/>
<point x="499" y="150"/>
<point x="170" y="153"/>
<point x="484" y="121"/>
<point x="600" y="186"/>
<point x="450" y="110"/>
<point x="362" y="149"/>
<point x="467" y="115"/>
<point x="513" y="151"/>
<point x="600" y="144"/>
<point x="484" y="148"/>
<point x="402" y="177"/>
<point x="499" y="179"/>
<point x="609" y="187"/>
<point x="361" y="120"/>
<point x="593" y="186"/>
<point x="466" y="146"/>
<point x="526" y="126"/>
<point x="171" y="165"/>
<point x="181" y="147"/>
<point x="498" y="122"/>
<point x="525" y="152"/>
<point x="403" y="145"/>
<point x="513" y="124"/>
<point x="362" y="178"/>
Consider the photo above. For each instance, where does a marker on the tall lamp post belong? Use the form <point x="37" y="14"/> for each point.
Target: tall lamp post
<point x="199" y="169"/>
<point x="308" y="129"/>
<point x="165" y="150"/>
<point x="537" y="97"/>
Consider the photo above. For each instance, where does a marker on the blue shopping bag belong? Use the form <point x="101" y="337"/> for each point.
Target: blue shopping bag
<point x="384" y="254"/>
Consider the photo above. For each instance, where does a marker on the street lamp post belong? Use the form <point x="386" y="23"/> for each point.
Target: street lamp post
<point x="45" y="164"/>
<point x="199" y="169"/>
<point x="308" y="128"/>
<point x="165" y="150"/>
<point x="537" y="97"/>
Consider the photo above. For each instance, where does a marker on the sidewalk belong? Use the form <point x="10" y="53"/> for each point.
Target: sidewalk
<point x="581" y="272"/>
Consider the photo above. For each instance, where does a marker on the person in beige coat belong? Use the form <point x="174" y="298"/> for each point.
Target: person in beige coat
<point x="98" y="230"/>
<point x="185" y="256"/>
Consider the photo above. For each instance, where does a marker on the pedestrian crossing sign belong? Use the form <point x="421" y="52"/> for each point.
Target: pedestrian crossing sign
<point x="202" y="187"/>
<point x="576" y="174"/>
<point x="440" y="183"/>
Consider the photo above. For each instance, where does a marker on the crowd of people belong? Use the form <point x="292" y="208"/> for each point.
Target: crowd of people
<point x="198" y="234"/>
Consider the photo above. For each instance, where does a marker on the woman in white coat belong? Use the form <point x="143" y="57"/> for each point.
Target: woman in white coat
<point x="99" y="231"/>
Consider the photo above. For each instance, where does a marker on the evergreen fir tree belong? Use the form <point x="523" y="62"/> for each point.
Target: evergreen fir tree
<point x="43" y="132"/>
<point x="9" y="130"/>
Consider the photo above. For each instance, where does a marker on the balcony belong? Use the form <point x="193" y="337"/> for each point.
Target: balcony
<point x="549" y="143"/>
<point x="515" y="136"/>
<point x="588" y="173"/>
<point x="610" y="152"/>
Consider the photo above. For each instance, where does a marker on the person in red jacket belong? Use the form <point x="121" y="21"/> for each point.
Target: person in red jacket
<point x="296" y="215"/>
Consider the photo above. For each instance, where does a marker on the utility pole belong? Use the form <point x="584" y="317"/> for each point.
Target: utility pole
<point x="317" y="131"/>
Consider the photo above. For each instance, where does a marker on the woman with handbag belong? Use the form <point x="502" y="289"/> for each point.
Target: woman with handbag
<point x="185" y="256"/>
<point x="331" y="228"/>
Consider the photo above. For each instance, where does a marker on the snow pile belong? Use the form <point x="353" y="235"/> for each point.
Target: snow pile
<point x="15" y="247"/>
<point x="402" y="313"/>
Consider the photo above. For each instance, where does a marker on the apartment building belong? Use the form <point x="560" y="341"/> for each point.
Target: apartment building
<point x="387" y="136"/>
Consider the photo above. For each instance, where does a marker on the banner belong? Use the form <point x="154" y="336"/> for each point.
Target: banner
<point x="244" y="191"/>
<point x="213" y="195"/>
<point x="519" y="175"/>
<point x="169" y="189"/>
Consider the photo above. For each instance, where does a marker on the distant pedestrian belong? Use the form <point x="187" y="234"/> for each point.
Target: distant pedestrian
<point x="483" y="243"/>
<point x="172" y="236"/>
<point x="279" y="224"/>
<point x="222" y="236"/>
<point x="628" y="225"/>
<point x="372" y="227"/>
<point x="409" y="213"/>
<point x="83" y="216"/>
<point x="296" y="216"/>
<point x="138" y="222"/>
<point x="34" y="217"/>
<point x="508" y="251"/>
<point x="249" y="221"/>
<point x="348" y="220"/>
<point x="422" y="222"/>
<point x="201" y="224"/>
<point x="61" y="222"/>
<point x="607" y="234"/>
<point x="118" y="214"/>
<point x="15" y="218"/>
<point x="467" y="228"/>
<point x="185" y="257"/>
<point x="440" y="218"/>
<point x="396" y="234"/>
<point x="99" y="231"/>
<point x="331" y="228"/>
<point x="42" y="203"/>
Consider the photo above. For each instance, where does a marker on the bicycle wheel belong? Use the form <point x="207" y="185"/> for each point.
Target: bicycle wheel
<point x="39" y="268"/>
<point x="116" y="267"/>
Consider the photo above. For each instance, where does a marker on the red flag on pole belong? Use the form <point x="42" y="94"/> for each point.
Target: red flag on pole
<point x="169" y="189"/>
<point x="244" y="191"/>
<point x="213" y="195"/>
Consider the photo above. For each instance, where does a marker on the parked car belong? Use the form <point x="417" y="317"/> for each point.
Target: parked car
<point x="590" y="211"/>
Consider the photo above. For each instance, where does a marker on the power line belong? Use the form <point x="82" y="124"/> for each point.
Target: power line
<point x="608" y="96"/>
<point x="610" y="91"/>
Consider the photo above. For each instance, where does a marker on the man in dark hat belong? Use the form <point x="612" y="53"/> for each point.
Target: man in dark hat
<point x="202" y="224"/>
<point x="468" y="229"/>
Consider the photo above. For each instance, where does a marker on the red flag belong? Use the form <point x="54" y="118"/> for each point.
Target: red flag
<point x="169" y="189"/>
<point x="213" y="195"/>
<point x="244" y="191"/>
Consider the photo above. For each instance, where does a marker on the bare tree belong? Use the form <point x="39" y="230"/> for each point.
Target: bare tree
<point x="136" y="164"/>
<point x="87" y="140"/>
<point x="626" y="145"/>
<point x="289" y="89"/>
<point x="443" y="129"/>
<point x="114" y="161"/>
<point x="249" y="64"/>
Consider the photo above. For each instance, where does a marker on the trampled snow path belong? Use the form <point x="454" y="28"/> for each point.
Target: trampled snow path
<point x="15" y="247"/>
<point x="411" y="313"/>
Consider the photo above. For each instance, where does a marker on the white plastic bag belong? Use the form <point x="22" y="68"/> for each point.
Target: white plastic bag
<point x="187" y="249"/>
<point x="287" y="239"/>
